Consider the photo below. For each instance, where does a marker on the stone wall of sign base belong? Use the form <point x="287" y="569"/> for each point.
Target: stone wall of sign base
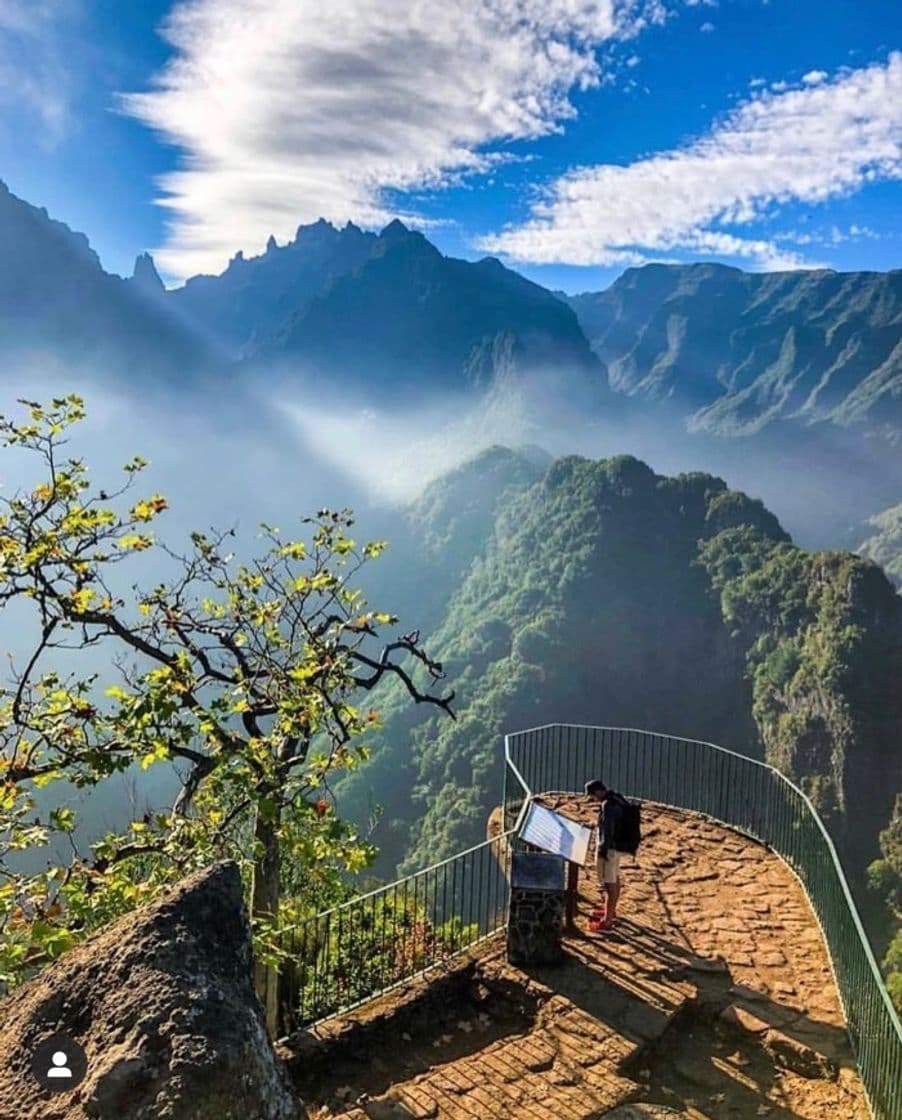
<point x="535" y="927"/>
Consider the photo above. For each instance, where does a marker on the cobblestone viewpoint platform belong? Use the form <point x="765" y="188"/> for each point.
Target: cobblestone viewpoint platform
<point x="714" y="999"/>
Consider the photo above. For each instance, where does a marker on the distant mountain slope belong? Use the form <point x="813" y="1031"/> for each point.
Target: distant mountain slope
<point x="736" y="350"/>
<point x="604" y="593"/>
<point x="409" y="319"/>
<point x="884" y="546"/>
<point x="58" y="306"/>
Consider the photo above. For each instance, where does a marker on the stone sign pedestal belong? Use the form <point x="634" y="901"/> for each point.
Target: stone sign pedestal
<point x="537" y="906"/>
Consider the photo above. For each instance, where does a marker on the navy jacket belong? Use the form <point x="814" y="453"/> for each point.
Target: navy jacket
<point x="609" y="816"/>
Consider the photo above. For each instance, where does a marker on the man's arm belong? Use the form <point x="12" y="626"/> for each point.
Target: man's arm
<point x="607" y="827"/>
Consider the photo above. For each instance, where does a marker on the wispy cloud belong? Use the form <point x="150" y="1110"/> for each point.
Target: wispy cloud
<point x="808" y="144"/>
<point x="287" y="111"/>
<point x="35" y="80"/>
<point x="831" y="236"/>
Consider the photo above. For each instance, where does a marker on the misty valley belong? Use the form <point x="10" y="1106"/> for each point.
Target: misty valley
<point x="671" y="505"/>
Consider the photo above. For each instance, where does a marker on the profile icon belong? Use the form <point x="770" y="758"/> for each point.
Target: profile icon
<point x="59" y="1064"/>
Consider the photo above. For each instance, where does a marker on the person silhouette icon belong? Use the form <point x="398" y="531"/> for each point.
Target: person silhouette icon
<point x="60" y="1067"/>
<point x="59" y="1063"/>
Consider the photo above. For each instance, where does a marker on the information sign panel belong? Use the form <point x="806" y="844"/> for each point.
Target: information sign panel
<point x="537" y="871"/>
<point x="558" y="835"/>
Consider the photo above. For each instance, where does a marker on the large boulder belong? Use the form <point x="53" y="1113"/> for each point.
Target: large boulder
<point x="162" y="1002"/>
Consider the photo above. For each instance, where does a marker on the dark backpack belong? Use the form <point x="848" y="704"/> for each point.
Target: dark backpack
<point x="628" y="836"/>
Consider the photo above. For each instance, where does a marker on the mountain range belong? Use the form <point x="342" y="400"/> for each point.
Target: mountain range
<point x="758" y="377"/>
<point x="737" y="350"/>
<point x="734" y="351"/>
<point x="593" y="587"/>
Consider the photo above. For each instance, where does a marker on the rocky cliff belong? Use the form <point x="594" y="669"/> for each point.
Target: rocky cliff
<point x="163" y="1006"/>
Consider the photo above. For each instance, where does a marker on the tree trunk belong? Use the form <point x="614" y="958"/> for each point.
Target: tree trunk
<point x="265" y="905"/>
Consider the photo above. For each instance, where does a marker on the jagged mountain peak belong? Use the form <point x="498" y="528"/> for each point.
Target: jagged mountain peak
<point x="397" y="236"/>
<point x="394" y="230"/>
<point x="319" y="228"/>
<point x="145" y="275"/>
<point x="26" y="229"/>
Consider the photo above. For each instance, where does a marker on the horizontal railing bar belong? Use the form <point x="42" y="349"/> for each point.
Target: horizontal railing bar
<point x="655" y="734"/>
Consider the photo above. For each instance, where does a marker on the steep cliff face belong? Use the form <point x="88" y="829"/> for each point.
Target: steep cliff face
<point x="738" y="350"/>
<point x="823" y="640"/>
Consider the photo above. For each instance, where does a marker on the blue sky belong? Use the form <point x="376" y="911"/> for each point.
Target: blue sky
<point x="570" y="137"/>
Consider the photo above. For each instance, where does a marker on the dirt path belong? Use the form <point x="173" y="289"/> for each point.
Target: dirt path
<point x="713" y="1000"/>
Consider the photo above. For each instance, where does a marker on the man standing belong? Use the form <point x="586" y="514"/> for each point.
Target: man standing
<point x="607" y="857"/>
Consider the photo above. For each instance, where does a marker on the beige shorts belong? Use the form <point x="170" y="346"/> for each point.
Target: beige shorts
<point x="608" y="870"/>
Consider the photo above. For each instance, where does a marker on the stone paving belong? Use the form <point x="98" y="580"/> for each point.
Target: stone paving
<point x="713" y="999"/>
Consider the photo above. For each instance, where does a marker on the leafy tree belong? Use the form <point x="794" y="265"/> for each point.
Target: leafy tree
<point x="243" y="675"/>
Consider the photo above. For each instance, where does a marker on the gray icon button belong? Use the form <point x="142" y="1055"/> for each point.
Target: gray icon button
<point x="59" y="1063"/>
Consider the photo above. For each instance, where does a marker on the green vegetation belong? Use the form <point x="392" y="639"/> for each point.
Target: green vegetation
<point x="244" y="675"/>
<point x="885" y="879"/>
<point x="584" y="601"/>
<point x="823" y="639"/>
<point x="365" y="947"/>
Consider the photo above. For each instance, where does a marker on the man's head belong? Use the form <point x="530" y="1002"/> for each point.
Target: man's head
<point x="596" y="789"/>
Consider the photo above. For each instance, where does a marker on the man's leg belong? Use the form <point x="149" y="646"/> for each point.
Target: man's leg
<point x="613" y="895"/>
<point x="611" y="887"/>
<point x="601" y="907"/>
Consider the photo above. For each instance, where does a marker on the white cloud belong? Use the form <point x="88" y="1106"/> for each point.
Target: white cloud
<point x="287" y="111"/>
<point x="35" y="78"/>
<point x="808" y="144"/>
<point x="815" y="77"/>
<point x="706" y="27"/>
<point x="832" y="236"/>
